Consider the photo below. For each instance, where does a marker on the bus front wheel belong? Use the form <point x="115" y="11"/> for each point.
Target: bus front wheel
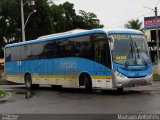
<point x="28" y="81"/>
<point x="87" y="83"/>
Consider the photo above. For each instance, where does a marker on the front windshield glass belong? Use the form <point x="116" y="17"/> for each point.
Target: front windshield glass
<point x="129" y="49"/>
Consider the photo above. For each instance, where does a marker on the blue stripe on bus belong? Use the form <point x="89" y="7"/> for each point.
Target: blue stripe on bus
<point x="58" y="66"/>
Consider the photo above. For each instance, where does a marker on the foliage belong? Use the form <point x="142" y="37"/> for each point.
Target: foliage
<point x="134" y="24"/>
<point x="2" y="93"/>
<point x="89" y="20"/>
<point x="48" y="19"/>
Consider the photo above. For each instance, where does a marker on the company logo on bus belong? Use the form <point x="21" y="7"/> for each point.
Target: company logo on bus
<point x="68" y="64"/>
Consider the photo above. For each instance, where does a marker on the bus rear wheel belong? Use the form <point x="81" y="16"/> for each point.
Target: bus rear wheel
<point x="28" y="81"/>
<point x="87" y="83"/>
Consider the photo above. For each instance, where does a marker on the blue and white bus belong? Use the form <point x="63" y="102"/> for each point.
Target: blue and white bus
<point x="89" y="59"/>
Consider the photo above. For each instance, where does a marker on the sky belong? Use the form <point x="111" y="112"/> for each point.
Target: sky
<point x="115" y="13"/>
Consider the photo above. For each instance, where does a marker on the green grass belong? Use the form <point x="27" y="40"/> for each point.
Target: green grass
<point x="2" y="93"/>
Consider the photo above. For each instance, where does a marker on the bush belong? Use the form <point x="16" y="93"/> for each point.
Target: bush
<point x="2" y="93"/>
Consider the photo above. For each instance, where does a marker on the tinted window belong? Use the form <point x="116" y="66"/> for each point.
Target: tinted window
<point x="68" y="45"/>
<point x="7" y="54"/>
<point x="37" y="51"/>
<point x="59" y="48"/>
<point x="26" y="52"/>
<point x="15" y="53"/>
<point x="83" y="47"/>
<point x="50" y="49"/>
<point x="102" y="52"/>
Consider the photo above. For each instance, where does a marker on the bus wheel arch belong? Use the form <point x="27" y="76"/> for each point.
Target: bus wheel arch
<point x="28" y="80"/>
<point x="85" y="80"/>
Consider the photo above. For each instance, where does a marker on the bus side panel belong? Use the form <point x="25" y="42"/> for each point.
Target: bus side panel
<point x="103" y="76"/>
<point x="66" y="72"/>
<point x="12" y="71"/>
<point x="100" y="74"/>
<point x="25" y="67"/>
<point x="86" y="66"/>
<point x="48" y="71"/>
<point x="72" y="71"/>
<point x="59" y="71"/>
<point x="36" y="71"/>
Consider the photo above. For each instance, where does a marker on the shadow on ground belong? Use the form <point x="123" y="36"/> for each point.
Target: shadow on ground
<point x="60" y="90"/>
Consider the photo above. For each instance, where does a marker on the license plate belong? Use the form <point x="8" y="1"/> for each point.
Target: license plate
<point x="137" y="84"/>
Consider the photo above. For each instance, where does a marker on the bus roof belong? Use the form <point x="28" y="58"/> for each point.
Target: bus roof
<point x="77" y="32"/>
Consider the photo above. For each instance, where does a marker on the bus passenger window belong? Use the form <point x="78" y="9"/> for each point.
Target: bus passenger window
<point x="37" y="51"/>
<point x="102" y="52"/>
<point x="8" y="55"/>
<point x="83" y="47"/>
<point x="15" y="53"/>
<point x="49" y="50"/>
<point x="26" y="52"/>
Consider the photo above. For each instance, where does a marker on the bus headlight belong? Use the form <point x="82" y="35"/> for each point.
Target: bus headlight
<point x="119" y="74"/>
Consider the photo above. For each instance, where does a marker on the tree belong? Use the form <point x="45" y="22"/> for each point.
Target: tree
<point x="63" y="16"/>
<point x="134" y="24"/>
<point x="40" y="23"/>
<point x="9" y="21"/>
<point x="89" y="20"/>
<point x="48" y="19"/>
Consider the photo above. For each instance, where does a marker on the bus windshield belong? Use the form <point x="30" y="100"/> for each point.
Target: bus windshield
<point x="129" y="49"/>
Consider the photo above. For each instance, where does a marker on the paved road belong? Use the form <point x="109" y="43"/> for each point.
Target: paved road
<point x="77" y="101"/>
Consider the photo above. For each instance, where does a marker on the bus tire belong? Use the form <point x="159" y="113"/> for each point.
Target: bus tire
<point x="87" y="83"/>
<point x="28" y="81"/>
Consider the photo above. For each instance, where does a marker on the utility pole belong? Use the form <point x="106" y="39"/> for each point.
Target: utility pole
<point x="30" y="3"/>
<point x="22" y="19"/>
<point x="157" y="35"/>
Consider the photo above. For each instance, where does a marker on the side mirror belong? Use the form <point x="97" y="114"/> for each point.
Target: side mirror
<point x="111" y="43"/>
<point x="110" y="39"/>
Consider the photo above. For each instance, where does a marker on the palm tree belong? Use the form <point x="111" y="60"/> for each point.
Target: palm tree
<point x="134" y="24"/>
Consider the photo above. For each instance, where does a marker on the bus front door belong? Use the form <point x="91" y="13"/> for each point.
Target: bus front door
<point x="103" y="63"/>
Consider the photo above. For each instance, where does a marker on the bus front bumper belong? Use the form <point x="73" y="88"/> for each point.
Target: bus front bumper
<point x="132" y="82"/>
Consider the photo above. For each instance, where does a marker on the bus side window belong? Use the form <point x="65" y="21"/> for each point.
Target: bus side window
<point x="7" y="54"/>
<point x="83" y="47"/>
<point x="49" y="50"/>
<point x="102" y="52"/>
<point x="15" y="53"/>
<point x="68" y="47"/>
<point x="26" y="52"/>
<point x="37" y="51"/>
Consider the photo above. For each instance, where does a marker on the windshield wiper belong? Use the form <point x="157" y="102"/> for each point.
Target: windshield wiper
<point x="145" y="63"/>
